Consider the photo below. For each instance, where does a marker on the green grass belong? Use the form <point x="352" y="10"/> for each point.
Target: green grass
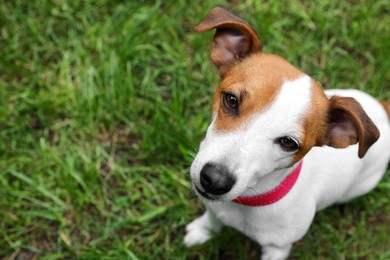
<point x="103" y="104"/>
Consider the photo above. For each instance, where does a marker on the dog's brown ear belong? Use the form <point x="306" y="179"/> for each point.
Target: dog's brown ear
<point x="233" y="40"/>
<point x="349" y="124"/>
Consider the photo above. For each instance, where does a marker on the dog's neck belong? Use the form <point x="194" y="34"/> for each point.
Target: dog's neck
<point x="281" y="185"/>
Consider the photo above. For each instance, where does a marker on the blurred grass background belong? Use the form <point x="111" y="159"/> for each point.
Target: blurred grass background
<point x="103" y="104"/>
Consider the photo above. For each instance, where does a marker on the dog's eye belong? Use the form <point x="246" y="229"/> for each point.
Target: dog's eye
<point x="288" y="143"/>
<point x="230" y="102"/>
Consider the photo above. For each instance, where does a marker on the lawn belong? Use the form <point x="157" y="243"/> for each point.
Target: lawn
<point x="103" y="105"/>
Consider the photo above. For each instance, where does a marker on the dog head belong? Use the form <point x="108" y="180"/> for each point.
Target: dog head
<point x="267" y="114"/>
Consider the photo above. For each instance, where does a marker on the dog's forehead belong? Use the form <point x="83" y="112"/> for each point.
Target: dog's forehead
<point x="258" y="82"/>
<point x="286" y="114"/>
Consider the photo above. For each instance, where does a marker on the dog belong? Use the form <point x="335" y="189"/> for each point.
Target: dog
<point x="279" y="147"/>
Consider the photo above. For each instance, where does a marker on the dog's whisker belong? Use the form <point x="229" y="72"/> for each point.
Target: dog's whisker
<point x="252" y="189"/>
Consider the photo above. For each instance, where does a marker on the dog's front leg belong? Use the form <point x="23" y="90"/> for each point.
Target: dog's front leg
<point x="272" y="252"/>
<point x="201" y="229"/>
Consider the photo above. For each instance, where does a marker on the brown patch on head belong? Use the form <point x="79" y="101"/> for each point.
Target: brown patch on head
<point x="314" y="123"/>
<point x="256" y="81"/>
<point x="386" y="106"/>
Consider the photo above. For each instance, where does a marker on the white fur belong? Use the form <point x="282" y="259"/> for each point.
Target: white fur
<point x="328" y="175"/>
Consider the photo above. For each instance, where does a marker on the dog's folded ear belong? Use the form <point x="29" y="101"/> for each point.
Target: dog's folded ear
<point x="348" y="124"/>
<point x="233" y="40"/>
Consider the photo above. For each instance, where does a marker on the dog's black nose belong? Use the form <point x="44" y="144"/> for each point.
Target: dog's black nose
<point x="216" y="179"/>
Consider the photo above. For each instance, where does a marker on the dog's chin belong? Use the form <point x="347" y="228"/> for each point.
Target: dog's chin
<point x="202" y="194"/>
<point x="210" y="197"/>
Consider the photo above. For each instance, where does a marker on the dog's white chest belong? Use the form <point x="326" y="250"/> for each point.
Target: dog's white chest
<point x="266" y="223"/>
<point x="244" y="219"/>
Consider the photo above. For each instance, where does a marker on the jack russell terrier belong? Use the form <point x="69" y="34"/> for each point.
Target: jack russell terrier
<point x="272" y="154"/>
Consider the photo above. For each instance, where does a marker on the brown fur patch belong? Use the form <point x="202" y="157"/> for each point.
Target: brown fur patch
<point x="344" y="112"/>
<point x="256" y="81"/>
<point x="386" y="106"/>
<point x="314" y="123"/>
<point x="234" y="39"/>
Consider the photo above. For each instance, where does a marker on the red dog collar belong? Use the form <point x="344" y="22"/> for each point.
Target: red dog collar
<point x="274" y="195"/>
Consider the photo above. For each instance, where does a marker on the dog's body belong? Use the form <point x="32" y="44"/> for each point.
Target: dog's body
<point x="269" y="117"/>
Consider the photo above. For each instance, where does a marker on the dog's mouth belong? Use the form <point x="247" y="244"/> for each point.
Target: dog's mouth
<point x="208" y="196"/>
<point x="203" y="193"/>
